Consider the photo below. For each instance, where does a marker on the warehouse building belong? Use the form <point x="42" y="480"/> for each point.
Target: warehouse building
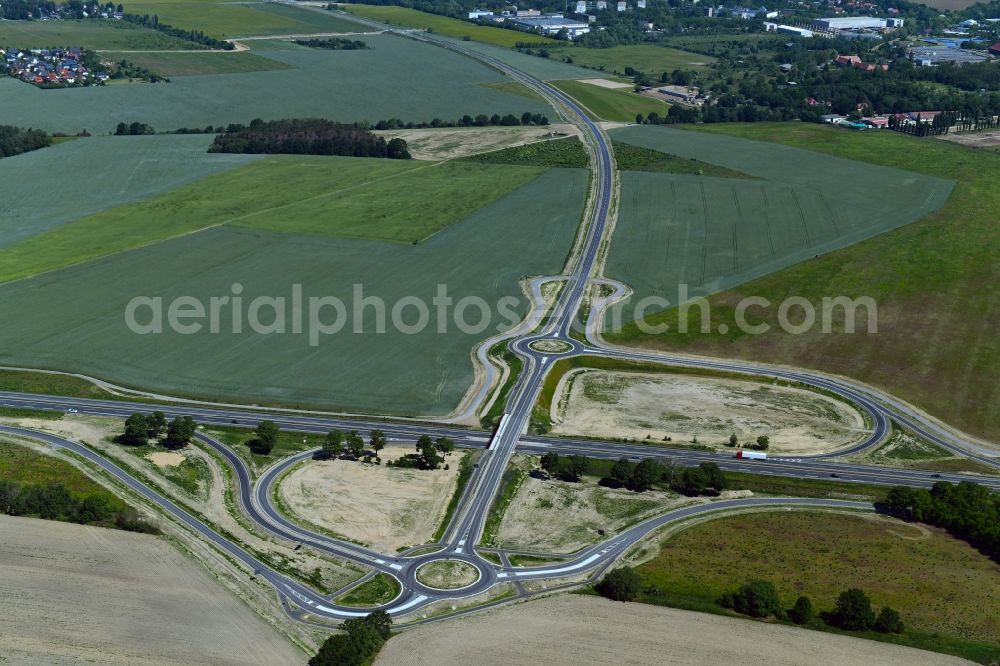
<point x="550" y="25"/>
<point x="851" y="23"/>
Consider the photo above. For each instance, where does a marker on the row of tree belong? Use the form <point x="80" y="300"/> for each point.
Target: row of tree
<point x="852" y="612"/>
<point x="759" y="598"/>
<point x="140" y="429"/>
<point x="339" y="444"/>
<point x="334" y="44"/>
<point x="358" y="643"/>
<point x="762" y="443"/>
<point x="196" y="36"/>
<point x="54" y="501"/>
<point x="967" y="510"/>
<point x="133" y="129"/>
<point x="427" y="455"/>
<point x="705" y="479"/>
<point x="14" y="140"/>
<point x="308" y="137"/>
<point x="482" y="120"/>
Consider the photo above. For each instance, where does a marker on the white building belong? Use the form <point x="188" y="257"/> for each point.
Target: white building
<point x="622" y="5"/>
<point x="552" y="24"/>
<point x="850" y="23"/>
<point x="480" y="13"/>
<point x="602" y="4"/>
<point x="581" y="7"/>
<point x="788" y="30"/>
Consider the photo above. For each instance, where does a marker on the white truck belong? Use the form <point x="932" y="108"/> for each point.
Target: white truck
<point x="743" y="454"/>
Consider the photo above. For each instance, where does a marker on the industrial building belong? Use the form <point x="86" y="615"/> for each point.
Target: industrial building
<point x="928" y="56"/>
<point x="851" y="23"/>
<point x="788" y="29"/>
<point x="552" y="24"/>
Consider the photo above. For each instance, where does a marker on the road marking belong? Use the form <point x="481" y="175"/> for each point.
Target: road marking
<point x="409" y="604"/>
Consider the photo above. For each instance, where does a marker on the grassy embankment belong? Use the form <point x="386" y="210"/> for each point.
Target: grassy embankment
<point x="620" y="105"/>
<point x="649" y="58"/>
<point x="945" y="590"/>
<point x="221" y="18"/>
<point x="935" y="281"/>
<point x="379" y="590"/>
<point x="444" y="25"/>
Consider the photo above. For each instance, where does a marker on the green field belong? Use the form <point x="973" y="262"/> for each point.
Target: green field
<point x="944" y="589"/>
<point x="566" y="153"/>
<point x="200" y="63"/>
<point x="630" y="157"/>
<point x="648" y="58"/>
<point x="226" y="19"/>
<point x="398" y="78"/>
<point x="82" y="328"/>
<point x="446" y="26"/>
<point x="621" y="105"/>
<point x="374" y="199"/>
<point x="88" y="34"/>
<point x="936" y="284"/>
<point x="119" y="170"/>
<point x="715" y="233"/>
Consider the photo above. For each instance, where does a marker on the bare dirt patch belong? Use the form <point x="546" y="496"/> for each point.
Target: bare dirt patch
<point x="166" y="458"/>
<point x="607" y="83"/>
<point x="447" y="574"/>
<point x="574" y="630"/>
<point x="452" y="142"/>
<point x="987" y="139"/>
<point x="572" y="514"/>
<point x="387" y="508"/>
<point x="683" y="407"/>
<point x="71" y="594"/>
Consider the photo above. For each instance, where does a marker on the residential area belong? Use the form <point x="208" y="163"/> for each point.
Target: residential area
<point x="46" y="68"/>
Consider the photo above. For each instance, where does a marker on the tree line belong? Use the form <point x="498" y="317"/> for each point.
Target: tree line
<point x="359" y="642"/>
<point x="14" y="140"/>
<point x="334" y="44"/>
<point x="196" y="36"/>
<point x="54" y="501"/>
<point x="308" y="137"/>
<point x="481" y="120"/>
<point x="647" y="474"/>
<point x="759" y="598"/>
<point x="967" y="510"/>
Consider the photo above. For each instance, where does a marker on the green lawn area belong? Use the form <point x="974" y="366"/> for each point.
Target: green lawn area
<point x="81" y="327"/>
<point x="199" y="63"/>
<point x="225" y="19"/>
<point x="638" y="158"/>
<point x="444" y="25"/>
<point x="379" y="590"/>
<point x="21" y="464"/>
<point x="935" y="281"/>
<point x="396" y="78"/>
<point x="621" y="105"/>
<point x="568" y="153"/>
<point x="88" y="34"/>
<point x="945" y="590"/>
<point x="648" y="58"/>
<point x="41" y="382"/>
<point x="367" y="198"/>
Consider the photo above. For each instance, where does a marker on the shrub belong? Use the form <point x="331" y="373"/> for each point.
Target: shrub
<point x="802" y="612"/>
<point x="854" y="610"/>
<point x="756" y="598"/>
<point x="888" y="621"/>
<point x="620" y="585"/>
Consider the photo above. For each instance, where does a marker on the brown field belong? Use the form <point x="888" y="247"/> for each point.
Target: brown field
<point x="72" y="594"/>
<point x="452" y="142"/>
<point x="384" y="507"/>
<point x="575" y="630"/>
<point x="655" y="406"/>
<point x="986" y="139"/>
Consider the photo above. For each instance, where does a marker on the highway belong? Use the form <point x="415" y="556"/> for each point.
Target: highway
<point x="465" y="529"/>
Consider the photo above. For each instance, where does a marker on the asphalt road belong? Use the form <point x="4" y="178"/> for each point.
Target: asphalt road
<point x="465" y="530"/>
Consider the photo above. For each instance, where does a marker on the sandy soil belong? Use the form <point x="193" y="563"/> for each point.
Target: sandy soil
<point x="637" y="405"/>
<point x="572" y="513"/>
<point x="166" y="458"/>
<point x="606" y="83"/>
<point x="451" y="142"/>
<point x="79" y="428"/>
<point x="70" y="594"/>
<point x="987" y="139"/>
<point x="574" y="630"/>
<point x="384" y="507"/>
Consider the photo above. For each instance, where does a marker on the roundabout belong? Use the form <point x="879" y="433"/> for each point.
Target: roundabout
<point x="448" y="574"/>
<point x="551" y="346"/>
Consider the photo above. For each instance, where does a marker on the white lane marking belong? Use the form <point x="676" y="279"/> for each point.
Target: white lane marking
<point x="409" y="604"/>
<point x="501" y="575"/>
<point x="477" y="439"/>
<point x="397" y="567"/>
<point x="572" y="567"/>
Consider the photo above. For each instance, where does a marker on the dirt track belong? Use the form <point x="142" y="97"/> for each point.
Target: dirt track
<point x="71" y="594"/>
<point x="573" y="630"/>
